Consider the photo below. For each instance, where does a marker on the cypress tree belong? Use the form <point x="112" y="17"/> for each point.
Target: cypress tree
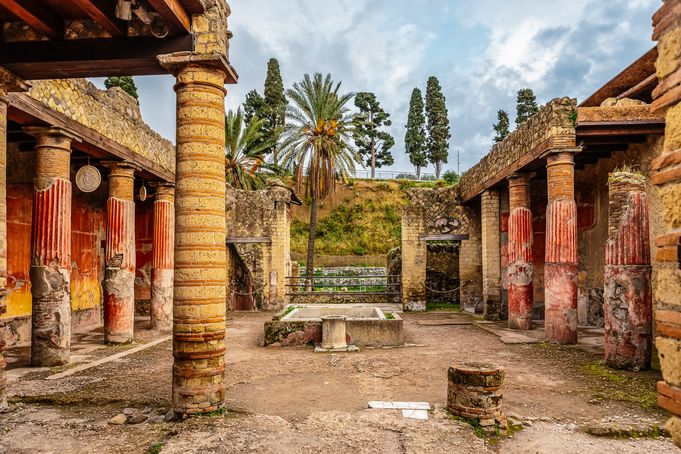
<point x="127" y="83"/>
<point x="415" y="138"/>
<point x="526" y="105"/>
<point x="275" y="105"/>
<point x="373" y="143"/>
<point x="501" y="126"/>
<point x="438" y="125"/>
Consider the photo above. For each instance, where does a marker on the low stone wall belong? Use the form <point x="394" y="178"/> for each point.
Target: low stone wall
<point x="343" y="298"/>
<point x="362" y="333"/>
<point x="552" y="127"/>
<point x="342" y="260"/>
<point x="112" y="113"/>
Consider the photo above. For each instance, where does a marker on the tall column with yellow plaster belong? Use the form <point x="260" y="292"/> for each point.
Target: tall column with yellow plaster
<point x="119" y="283"/>
<point x="8" y="82"/>
<point x="560" y="269"/>
<point x="200" y="233"/>
<point x="163" y="252"/>
<point x="51" y="248"/>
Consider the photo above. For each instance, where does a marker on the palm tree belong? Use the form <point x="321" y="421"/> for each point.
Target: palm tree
<point x="245" y="146"/>
<point x="316" y="143"/>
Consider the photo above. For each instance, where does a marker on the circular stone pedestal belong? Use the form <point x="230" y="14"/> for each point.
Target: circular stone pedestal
<point x="474" y="393"/>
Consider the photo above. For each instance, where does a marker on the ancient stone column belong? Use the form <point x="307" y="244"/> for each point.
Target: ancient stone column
<point x="628" y="294"/>
<point x="470" y="265"/>
<point x="474" y="393"/>
<point x="51" y="248"/>
<point x="491" y="254"/>
<point x="560" y="269"/>
<point x="200" y="251"/>
<point x="163" y="253"/>
<point x="333" y="332"/>
<point x="119" y="283"/>
<point x="520" y="240"/>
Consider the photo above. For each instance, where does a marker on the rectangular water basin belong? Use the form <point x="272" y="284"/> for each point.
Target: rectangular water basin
<point x="365" y="326"/>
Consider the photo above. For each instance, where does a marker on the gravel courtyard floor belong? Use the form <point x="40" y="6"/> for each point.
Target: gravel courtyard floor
<point x="283" y="400"/>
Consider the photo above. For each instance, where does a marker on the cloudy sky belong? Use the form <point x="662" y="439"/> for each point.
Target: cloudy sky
<point x="482" y="51"/>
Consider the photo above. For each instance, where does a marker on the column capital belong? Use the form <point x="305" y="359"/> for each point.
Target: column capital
<point x="177" y="61"/>
<point x="555" y="153"/>
<point x="122" y="168"/>
<point x="518" y="178"/>
<point x="48" y="134"/>
<point x="164" y="191"/>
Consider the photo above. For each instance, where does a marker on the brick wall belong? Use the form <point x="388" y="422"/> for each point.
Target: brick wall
<point x="491" y="254"/>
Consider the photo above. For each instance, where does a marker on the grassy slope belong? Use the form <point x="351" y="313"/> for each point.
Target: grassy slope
<point x="362" y="218"/>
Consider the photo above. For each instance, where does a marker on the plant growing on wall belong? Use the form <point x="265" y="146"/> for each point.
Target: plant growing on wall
<point x="415" y="138"/>
<point x="316" y="143"/>
<point x="438" y="125"/>
<point x="501" y="126"/>
<point x="245" y="148"/>
<point x="526" y="105"/>
<point x="127" y="83"/>
<point x="373" y="143"/>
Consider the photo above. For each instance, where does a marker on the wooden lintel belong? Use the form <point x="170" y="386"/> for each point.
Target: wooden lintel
<point x="99" y="57"/>
<point x="644" y="85"/>
<point x="173" y="12"/>
<point x="103" y="12"/>
<point x="37" y="16"/>
<point x="444" y="237"/>
<point x="250" y="240"/>
<point x="23" y="108"/>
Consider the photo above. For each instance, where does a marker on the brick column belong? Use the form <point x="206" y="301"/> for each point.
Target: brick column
<point x="8" y="82"/>
<point x="628" y="295"/>
<point x="520" y="267"/>
<point x="560" y="269"/>
<point x="666" y="175"/>
<point x="51" y="248"/>
<point x="200" y="251"/>
<point x="491" y="255"/>
<point x="470" y="264"/>
<point x="281" y="249"/>
<point x="119" y="283"/>
<point x="414" y="252"/>
<point x="163" y="257"/>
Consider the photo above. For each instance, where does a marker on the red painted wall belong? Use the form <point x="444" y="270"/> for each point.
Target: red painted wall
<point x="144" y="231"/>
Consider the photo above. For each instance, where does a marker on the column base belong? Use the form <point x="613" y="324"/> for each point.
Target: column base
<point x="520" y="305"/>
<point x="161" y="305"/>
<point x="119" y="308"/>
<point x="560" y="282"/>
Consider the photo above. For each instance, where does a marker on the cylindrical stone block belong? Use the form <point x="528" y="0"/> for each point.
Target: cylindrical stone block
<point x="51" y="249"/>
<point x="560" y="270"/>
<point x="628" y="291"/>
<point x="200" y="232"/>
<point x="333" y="332"/>
<point x="520" y="270"/>
<point x="119" y="283"/>
<point x="474" y="392"/>
<point x="163" y="252"/>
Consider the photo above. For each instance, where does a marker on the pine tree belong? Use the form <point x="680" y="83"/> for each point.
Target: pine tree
<point x="438" y="125"/>
<point x="275" y="105"/>
<point x="501" y="126"/>
<point x="125" y="82"/>
<point x="254" y="106"/>
<point x="373" y="144"/>
<point x="526" y="105"/>
<point x="415" y="138"/>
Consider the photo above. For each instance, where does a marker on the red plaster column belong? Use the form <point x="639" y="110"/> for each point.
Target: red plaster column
<point x="119" y="284"/>
<point x="628" y="293"/>
<point x="51" y="248"/>
<point x="163" y="254"/>
<point x="560" y="269"/>
<point x="520" y="267"/>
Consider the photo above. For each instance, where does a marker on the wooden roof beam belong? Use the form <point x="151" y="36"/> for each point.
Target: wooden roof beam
<point x="37" y="16"/>
<point x="173" y="13"/>
<point x="103" y="12"/>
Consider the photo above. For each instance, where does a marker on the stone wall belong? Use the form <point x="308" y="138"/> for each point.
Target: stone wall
<point x="258" y="226"/>
<point x="666" y="174"/>
<point x="112" y="113"/>
<point x="435" y="211"/>
<point x="552" y="127"/>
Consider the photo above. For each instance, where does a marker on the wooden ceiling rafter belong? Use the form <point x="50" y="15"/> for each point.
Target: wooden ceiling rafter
<point x="103" y="13"/>
<point x="174" y="14"/>
<point x="37" y="16"/>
